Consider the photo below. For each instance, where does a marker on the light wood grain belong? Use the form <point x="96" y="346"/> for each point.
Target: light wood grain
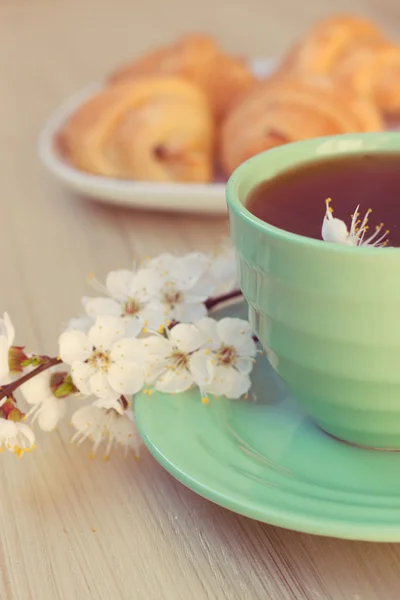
<point x="72" y="528"/>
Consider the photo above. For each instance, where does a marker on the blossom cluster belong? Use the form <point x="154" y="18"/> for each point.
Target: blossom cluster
<point x="147" y="329"/>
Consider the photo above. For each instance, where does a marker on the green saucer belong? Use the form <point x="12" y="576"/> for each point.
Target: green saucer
<point x="265" y="459"/>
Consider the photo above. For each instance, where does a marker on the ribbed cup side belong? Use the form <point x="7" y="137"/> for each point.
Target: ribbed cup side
<point x="331" y="328"/>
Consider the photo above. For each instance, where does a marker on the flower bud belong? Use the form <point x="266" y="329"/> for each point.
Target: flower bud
<point x="15" y="415"/>
<point x="61" y="385"/>
<point x="10" y="412"/>
<point x="17" y="359"/>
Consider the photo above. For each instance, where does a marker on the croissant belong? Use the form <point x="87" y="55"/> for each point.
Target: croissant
<point x="154" y="129"/>
<point x="286" y="109"/>
<point x="328" y="41"/>
<point x="356" y="54"/>
<point x="199" y="59"/>
<point x="374" y="72"/>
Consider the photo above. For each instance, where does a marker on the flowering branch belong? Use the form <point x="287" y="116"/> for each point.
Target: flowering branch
<point x="6" y="391"/>
<point x="147" y="329"/>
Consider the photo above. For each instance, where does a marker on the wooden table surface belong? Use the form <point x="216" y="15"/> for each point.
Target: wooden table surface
<point x="72" y="528"/>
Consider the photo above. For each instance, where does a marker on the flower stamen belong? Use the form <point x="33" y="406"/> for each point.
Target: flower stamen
<point x="334" y="230"/>
<point x="100" y="360"/>
<point x="131" y="307"/>
<point x="171" y="296"/>
<point x="226" y="355"/>
<point x="179" y="360"/>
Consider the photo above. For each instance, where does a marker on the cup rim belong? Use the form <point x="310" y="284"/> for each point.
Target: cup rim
<point x="383" y="142"/>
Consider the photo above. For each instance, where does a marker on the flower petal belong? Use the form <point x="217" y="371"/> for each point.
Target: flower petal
<point x="157" y="347"/>
<point x="7" y="329"/>
<point x="103" y="421"/>
<point x="24" y="431"/>
<point x="189" y="313"/>
<point x="201" y="368"/>
<point x="240" y="385"/>
<point x="174" y="381"/>
<point x="154" y="370"/>
<point x="223" y="270"/>
<point x="74" y="346"/>
<point x="126" y="433"/>
<point x="133" y="325"/>
<point x="108" y="403"/>
<point x="201" y="290"/>
<point x="186" y="270"/>
<point x="162" y="264"/>
<point x="125" y="377"/>
<point x="51" y="412"/>
<point x="228" y="382"/>
<point x="16" y="437"/>
<point x="237" y="333"/>
<point x="10" y="330"/>
<point x="246" y="347"/>
<point x="82" y="415"/>
<point x="100" y="386"/>
<point x="129" y="350"/>
<point x="209" y="328"/>
<point x="96" y="307"/>
<point x="81" y="374"/>
<point x="37" y="389"/>
<point x="106" y="331"/>
<point x="4" y="366"/>
<point x="146" y="284"/>
<point x="335" y="231"/>
<point x="119" y="283"/>
<point x="187" y="337"/>
<point x="153" y="315"/>
<point x="244" y="364"/>
<point x="80" y="323"/>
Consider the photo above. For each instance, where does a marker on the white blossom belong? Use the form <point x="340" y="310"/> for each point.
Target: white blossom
<point x="47" y="409"/>
<point x="106" y="421"/>
<point x="223" y="270"/>
<point x="183" y="285"/>
<point x="104" y="362"/>
<point x="16" y="437"/>
<point x="129" y="295"/>
<point x="172" y="364"/>
<point x="83" y="323"/>
<point x="7" y="335"/>
<point x="229" y="355"/>
<point x="335" y="231"/>
<point x="164" y="289"/>
<point x="147" y="326"/>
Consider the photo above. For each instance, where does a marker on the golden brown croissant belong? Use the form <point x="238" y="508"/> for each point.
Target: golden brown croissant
<point x="328" y="41"/>
<point x="374" y="72"/>
<point x="356" y="54"/>
<point x="284" y="110"/>
<point x="154" y="129"/>
<point x="199" y="59"/>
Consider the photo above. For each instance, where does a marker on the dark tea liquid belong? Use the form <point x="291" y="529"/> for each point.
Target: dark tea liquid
<point x="295" y="199"/>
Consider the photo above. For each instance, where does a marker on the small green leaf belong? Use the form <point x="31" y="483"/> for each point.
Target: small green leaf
<point x="62" y="385"/>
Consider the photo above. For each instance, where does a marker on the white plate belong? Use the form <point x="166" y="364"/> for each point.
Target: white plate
<point x="193" y="197"/>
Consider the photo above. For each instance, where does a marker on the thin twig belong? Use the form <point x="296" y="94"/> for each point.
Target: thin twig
<point x="8" y="390"/>
<point x="213" y="302"/>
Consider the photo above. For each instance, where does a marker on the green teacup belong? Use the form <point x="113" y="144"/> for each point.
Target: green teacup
<point x="328" y="315"/>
